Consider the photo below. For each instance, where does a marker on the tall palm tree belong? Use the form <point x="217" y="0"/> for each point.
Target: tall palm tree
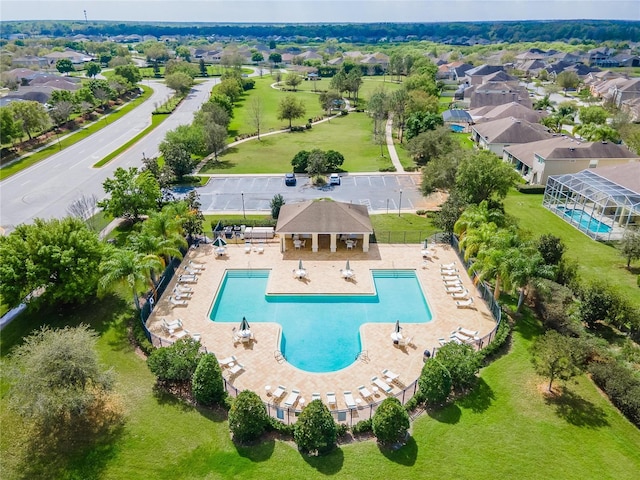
<point x="476" y="215"/>
<point x="129" y="269"/>
<point x="525" y="265"/>
<point x="166" y="225"/>
<point x="145" y="242"/>
<point x="478" y="238"/>
<point x="491" y="262"/>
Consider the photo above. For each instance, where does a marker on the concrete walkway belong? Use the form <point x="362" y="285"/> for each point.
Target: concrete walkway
<point x="393" y="155"/>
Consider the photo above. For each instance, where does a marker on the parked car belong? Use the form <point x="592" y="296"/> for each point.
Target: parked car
<point x="290" y="179"/>
<point x="334" y="179"/>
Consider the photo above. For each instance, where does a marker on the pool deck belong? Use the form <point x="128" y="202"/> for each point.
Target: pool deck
<point x="260" y="365"/>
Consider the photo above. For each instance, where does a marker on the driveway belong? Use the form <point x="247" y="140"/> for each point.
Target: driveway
<point x="379" y="192"/>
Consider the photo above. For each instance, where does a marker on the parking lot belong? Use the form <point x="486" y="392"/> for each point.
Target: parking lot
<point x="381" y="193"/>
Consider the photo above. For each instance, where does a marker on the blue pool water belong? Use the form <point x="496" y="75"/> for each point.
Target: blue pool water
<point x="457" y="128"/>
<point x="586" y="221"/>
<point x="321" y="333"/>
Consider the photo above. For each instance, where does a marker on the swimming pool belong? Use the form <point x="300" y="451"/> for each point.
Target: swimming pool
<point x="321" y="333"/>
<point x="456" y="128"/>
<point x="586" y="221"/>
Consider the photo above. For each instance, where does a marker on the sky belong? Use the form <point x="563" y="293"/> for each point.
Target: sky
<point x="316" y="11"/>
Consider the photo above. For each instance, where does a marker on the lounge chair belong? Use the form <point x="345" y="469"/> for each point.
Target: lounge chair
<point x="178" y="295"/>
<point x="315" y="396"/>
<point x="442" y="342"/>
<point x="461" y="295"/>
<point x="196" y="336"/>
<point x="173" y="325"/>
<point x="460" y="338"/>
<point x="260" y="248"/>
<point x="331" y="398"/>
<point x="456" y="339"/>
<point x="192" y="271"/>
<point x="247" y="247"/>
<point x="279" y="392"/>
<point x="452" y="271"/>
<point x="447" y="266"/>
<point x="195" y="264"/>
<point x="456" y="289"/>
<point x="381" y="384"/>
<point x="177" y="303"/>
<point x="299" y="273"/>
<point x="450" y="277"/>
<point x="292" y="398"/>
<point x="348" y="400"/>
<point x="220" y="251"/>
<point x="237" y="368"/>
<point x="179" y="334"/>
<point x="453" y="283"/>
<point x="364" y="392"/>
<point x="390" y="376"/>
<point x="226" y="361"/>
<point x="187" y="279"/>
<point x="468" y="303"/>
<point x="182" y="289"/>
<point x="469" y="333"/>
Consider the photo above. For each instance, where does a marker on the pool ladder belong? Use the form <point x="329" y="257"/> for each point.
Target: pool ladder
<point x="280" y="358"/>
<point x="363" y="356"/>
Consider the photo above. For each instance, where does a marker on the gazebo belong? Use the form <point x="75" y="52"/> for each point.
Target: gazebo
<point x="315" y="219"/>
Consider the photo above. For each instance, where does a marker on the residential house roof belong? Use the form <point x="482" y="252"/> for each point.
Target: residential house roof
<point x="510" y="130"/>
<point x="500" y="76"/>
<point x="497" y="93"/>
<point x="626" y="175"/>
<point x="323" y="216"/>
<point x="511" y="109"/>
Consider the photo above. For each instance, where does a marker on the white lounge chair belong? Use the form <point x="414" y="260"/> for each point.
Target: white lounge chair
<point x="331" y="398"/>
<point x="187" y="279"/>
<point x="247" y="247"/>
<point x="260" y="248"/>
<point x="381" y="384"/>
<point x="450" y="277"/>
<point x="195" y="264"/>
<point x="364" y="392"/>
<point x="237" y="368"/>
<point x="447" y="266"/>
<point x="405" y="341"/>
<point x="469" y="333"/>
<point x="179" y="334"/>
<point x="179" y="295"/>
<point x="468" y="303"/>
<point x="442" y="342"/>
<point x="292" y="398"/>
<point x="177" y="303"/>
<point x="300" y="273"/>
<point x="452" y="271"/>
<point x="192" y="271"/>
<point x="173" y="325"/>
<point x="182" y="289"/>
<point x="279" y="392"/>
<point x="196" y="336"/>
<point x="390" y="376"/>
<point x="460" y="338"/>
<point x="315" y="396"/>
<point x="228" y="360"/>
<point x="461" y="295"/>
<point x="456" y="339"/>
<point x="453" y="283"/>
<point x="220" y="251"/>
<point x="456" y="289"/>
<point x="348" y="400"/>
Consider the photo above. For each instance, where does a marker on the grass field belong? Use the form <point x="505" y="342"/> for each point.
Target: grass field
<point x="504" y="429"/>
<point x="598" y="261"/>
<point x="349" y="135"/>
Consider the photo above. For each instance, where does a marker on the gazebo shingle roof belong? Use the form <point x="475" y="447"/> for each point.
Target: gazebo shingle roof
<point x="323" y="216"/>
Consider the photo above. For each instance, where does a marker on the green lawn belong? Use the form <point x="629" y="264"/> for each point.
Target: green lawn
<point x="349" y="135"/>
<point x="504" y="429"/>
<point x="598" y="261"/>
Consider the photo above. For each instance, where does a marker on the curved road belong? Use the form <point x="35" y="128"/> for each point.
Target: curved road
<point x="46" y="189"/>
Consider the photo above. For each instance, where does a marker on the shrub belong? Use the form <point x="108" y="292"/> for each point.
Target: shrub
<point x="551" y="248"/>
<point x="363" y="426"/>
<point x="315" y="431"/>
<point x="461" y="362"/>
<point x="553" y="303"/>
<point x="280" y="427"/>
<point x="390" y="423"/>
<point x="342" y="429"/>
<point x="502" y="335"/>
<point x="139" y="336"/>
<point x="622" y="387"/>
<point x="421" y="212"/>
<point x="248" y="417"/>
<point x="207" y="385"/>
<point x="524" y="188"/>
<point x="177" y="362"/>
<point x="435" y="382"/>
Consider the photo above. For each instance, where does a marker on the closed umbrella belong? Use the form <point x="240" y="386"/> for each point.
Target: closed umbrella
<point x="397" y="329"/>
<point x="244" y="325"/>
<point x="348" y="267"/>
<point x="219" y="242"/>
<point x="425" y="244"/>
<point x="300" y="265"/>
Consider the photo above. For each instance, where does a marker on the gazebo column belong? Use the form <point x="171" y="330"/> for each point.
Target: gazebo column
<point x="334" y="243"/>
<point x="314" y="242"/>
<point x="365" y="242"/>
<point x="283" y="243"/>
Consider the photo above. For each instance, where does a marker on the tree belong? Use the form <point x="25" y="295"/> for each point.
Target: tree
<point x="215" y="138"/>
<point x="557" y="356"/>
<point x="434" y="382"/>
<point x="276" y="204"/>
<point x="61" y="112"/>
<point x="399" y="102"/>
<point x="231" y="87"/>
<point x="551" y="248"/>
<point x="378" y="108"/>
<point x="432" y="144"/>
<point x="257" y="57"/>
<point x="421" y="122"/>
<point x="450" y="212"/>
<point x="178" y="159"/>
<point x="594" y="114"/>
<point x="84" y="208"/>
<point x="224" y="102"/>
<point x="390" y="423"/>
<point x="275" y="58"/>
<point x="461" y="362"/>
<point x="315" y="430"/>
<point x="338" y="82"/>
<point x="483" y="175"/>
<point x="64" y="65"/>
<point x="188" y="137"/>
<point x="256" y="114"/>
<point x="290" y="108"/>
<point x="317" y="162"/>
<point x="206" y="384"/>
<point x="592" y="132"/>
<point x="354" y="82"/>
<point x="32" y="116"/>
<point x="203" y="68"/>
<point x="300" y="161"/>
<point x="524" y="266"/>
<point x="58" y="379"/>
<point x="248" y="417"/>
<point x="293" y="80"/>
<point x="211" y="112"/>
<point x="130" y="72"/>
<point x="334" y="160"/>
<point x="10" y="129"/>
<point x="175" y="364"/>
<point x="630" y="245"/>
<point x="58" y="258"/>
<point x="180" y="82"/>
<point x="330" y="100"/>
<point x="93" y="69"/>
<point x="568" y="80"/>
<point x="132" y="193"/>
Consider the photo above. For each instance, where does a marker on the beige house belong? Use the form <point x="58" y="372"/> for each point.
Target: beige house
<point x="501" y="133"/>
<point x="323" y="223"/>
<point x="562" y="155"/>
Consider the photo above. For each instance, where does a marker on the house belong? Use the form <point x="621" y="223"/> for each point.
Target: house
<point x="601" y="202"/>
<point x="458" y="72"/>
<point x="496" y="93"/>
<point x="501" y="133"/>
<point x="632" y="108"/>
<point x="625" y="91"/>
<point x="29" y="61"/>
<point x="560" y="155"/>
<point x="77" y="59"/>
<point x="531" y="67"/>
<point x="475" y="76"/>
<point x="511" y="109"/>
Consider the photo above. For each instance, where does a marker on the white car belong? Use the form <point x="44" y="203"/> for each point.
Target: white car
<point x="334" y="179"/>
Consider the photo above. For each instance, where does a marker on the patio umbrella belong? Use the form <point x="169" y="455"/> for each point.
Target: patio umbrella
<point x="244" y="325"/>
<point x="348" y="267"/>
<point x="219" y="242"/>
<point x="397" y="328"/>
<point x="425" y="244"/>
<point x="300" y="265"/>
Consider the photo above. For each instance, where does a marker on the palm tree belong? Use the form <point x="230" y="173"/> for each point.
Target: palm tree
<point x="491" y="262"/>
<point x="476" y="215"/>
<point x="166" y="225"/>
<point x="126" y="268"/>
<point x="477" y="239"/>
<point x="146" y="243"/>
<point x="525" y="265"/>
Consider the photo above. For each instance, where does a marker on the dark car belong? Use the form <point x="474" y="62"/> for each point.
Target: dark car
<point x="290" y="179"/>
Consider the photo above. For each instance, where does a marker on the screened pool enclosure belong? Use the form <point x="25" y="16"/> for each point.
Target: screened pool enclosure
<point x="593" y="204"/>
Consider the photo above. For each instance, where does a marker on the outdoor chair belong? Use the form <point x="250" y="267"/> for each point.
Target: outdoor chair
<point x="177" y="303"/>
<point x="364" y="392"/>
<point x="292" y="398"/>
<point x="279" y="392"/>
<point x="331" y="398"/>
<point x="461" y="295"/>
<point x="381" y="384"/>
<point x="237" y="368"/>
<point x="348" y="400"/>
<point x="468" y="303"/>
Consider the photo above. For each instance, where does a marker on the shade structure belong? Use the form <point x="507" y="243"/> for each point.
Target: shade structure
<point x="347" y="267"/>
<point x="244" y="325"/>
<point x="219" y="242"/>
<point x="397" y="327"/>
<point x="300" y="265"/>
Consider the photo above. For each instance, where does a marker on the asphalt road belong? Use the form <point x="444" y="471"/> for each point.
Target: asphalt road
<point x="379" y="192"/>
<point x="46" y="189"/>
